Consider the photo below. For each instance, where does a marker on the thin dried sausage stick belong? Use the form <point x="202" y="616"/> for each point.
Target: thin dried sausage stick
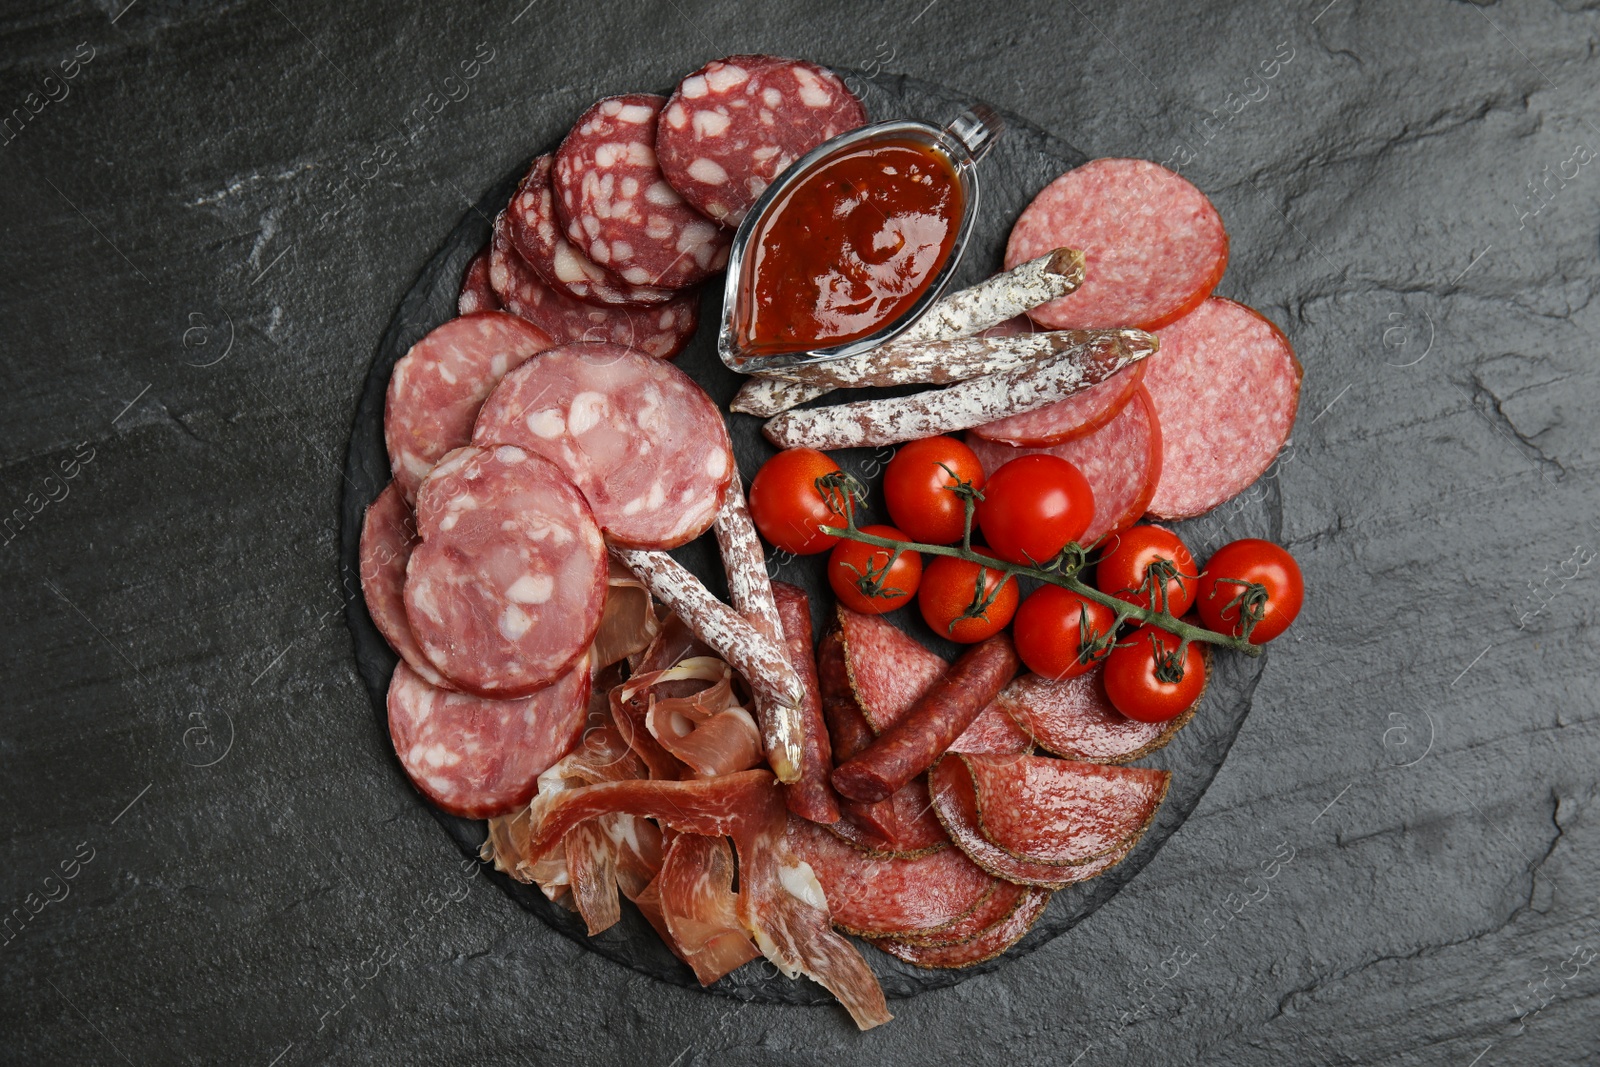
<point x="764" y="663"/>
<point x="960" y="406"/>
<point x="943" y="362"/>
<point x="927" y="731"/>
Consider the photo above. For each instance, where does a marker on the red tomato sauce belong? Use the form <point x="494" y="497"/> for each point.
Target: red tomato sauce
<point x="851" y="247"/>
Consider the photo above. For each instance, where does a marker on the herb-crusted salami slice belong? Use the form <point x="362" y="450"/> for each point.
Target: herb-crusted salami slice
<point x="388" y="535"/>
<point x="505" y="592"/>
<point x="1226" y="387"/>
<point x="644" y="443"/>
<point x="1062" y="812"/>
<point x="534" y="230"/>
<point x="661" y="331"/>
<point x="438" y="386"/>
<point x="735" y="124"/>
<point x="986" y="945"/>
<point x="881" y="896"/>
<point x="480" y="758"/>
<point x="619" y="209"/>
<point x="1155" y="245"/>
<point x="1122" y="462"/>
<point x="476" y="292"/>
<point x="1073" y="718"/>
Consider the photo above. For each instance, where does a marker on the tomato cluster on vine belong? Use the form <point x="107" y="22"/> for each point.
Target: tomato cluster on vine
<point x="1135" y="619"/>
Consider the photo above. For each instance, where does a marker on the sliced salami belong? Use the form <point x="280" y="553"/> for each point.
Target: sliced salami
<point x="1154" y="243"/>
<point x="986" y="945"/>
<point x="735" y="124"/>
<point x="644" y="443"/>
<point x="903" y="826"/>
<point x="955" y="801"/>
<point x="993" y="732"/>
<point x="618" y="208"/>
<point x="480" y="758"/>
<point x="1073" y="718"/>
<point x="661" y="331"/>
<point x="1121" y="460"/>
<point x="535" y="232"/>
<point x="1001" y="902"/>
<point x="476" y="292"/>
<point x="1226" y="385"/>
<point x="1062" y="812"/>
<point x="888" y="668"/>
<point x="505" y="592"/>
<point x="438" y="386"/>
<point x="388" y="535"/>
<point x="1066" y="420"/>
<point x="877" y="897"/>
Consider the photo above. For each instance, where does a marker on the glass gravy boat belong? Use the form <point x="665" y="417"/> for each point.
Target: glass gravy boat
<point x="962" y="143"/>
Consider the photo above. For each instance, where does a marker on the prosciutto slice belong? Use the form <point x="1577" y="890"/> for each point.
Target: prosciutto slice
<point x="700" y="909"/>
<point x="707" y="731"/>
<point x="781" y="904"/>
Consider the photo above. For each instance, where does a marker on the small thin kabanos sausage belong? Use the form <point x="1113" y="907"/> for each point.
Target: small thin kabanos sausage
<point x="958" y="315"/>
<point x="764" y="663"/>
<point x="960" y="406"/>
<point x="927" y="731"/>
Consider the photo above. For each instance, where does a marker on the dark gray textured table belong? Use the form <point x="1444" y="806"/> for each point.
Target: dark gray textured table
<point x="207" y="227"/>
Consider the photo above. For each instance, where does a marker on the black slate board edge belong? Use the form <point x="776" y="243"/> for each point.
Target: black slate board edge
<point x="1194" y="757"/>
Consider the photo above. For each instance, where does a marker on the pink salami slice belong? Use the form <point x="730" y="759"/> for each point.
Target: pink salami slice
<point x="955" y="801"/>
<point x="1121" y="460"/>
<point x="506" y="590"/>
<point x="480" y="758"/>
<point x="1226" y="385"/>
<point x="388" y="535"/>
<point x="735" y="124"/>
<point x="661" y="331"/>
<point x="994" y="732"/>
<point x="1074" y="718"/>
<point x="643" y="442"/>
<point x="1154" y="244"/>
<point x="618" y="207"/>
<point x="476" y="292"/>
<point x="438" y="386"/>
<point x="986" y="945"/>
<point x="536" y="234"/>
<point x="1062" y="812"/>
<point x="879" y="897"/>
<point x="1067" y="420"/>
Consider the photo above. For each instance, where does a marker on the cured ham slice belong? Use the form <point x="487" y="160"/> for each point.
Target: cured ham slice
<point x="708" y="731"/>
<point x="699" y="906"/>
<point x="1074" y="718"/>
<point x="781" y="903"/>
<point x="628" y="624"/>
<point x="879" y="897"/>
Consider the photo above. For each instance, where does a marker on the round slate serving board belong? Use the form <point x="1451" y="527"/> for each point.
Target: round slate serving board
<point x="1023" y="161"/>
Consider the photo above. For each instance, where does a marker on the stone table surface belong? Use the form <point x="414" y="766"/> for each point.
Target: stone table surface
<point x="211" y="212"/>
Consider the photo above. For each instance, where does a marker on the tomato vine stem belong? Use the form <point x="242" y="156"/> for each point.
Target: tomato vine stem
<point x="1062" y="571"/>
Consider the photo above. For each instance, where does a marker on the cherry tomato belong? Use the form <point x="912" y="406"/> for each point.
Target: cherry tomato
<point x="1033" y="506"/>
<point x="1138" y="676"/>
<point x="1225" y="599"/>
<point x="864" y="579"/>
<point x="949" y="587"/>
<point x="787" y="506"/>
<point x="917" y="486"/>
<point x="1123" y="571"/>
<point x="1060" y="634"/>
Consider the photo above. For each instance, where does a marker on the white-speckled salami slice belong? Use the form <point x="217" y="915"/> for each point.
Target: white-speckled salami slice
<point x="735" y="124"/>
<point x="480" y="758"/>
<point x="643" y="442"/>
<point x="437" y="387"/>
<point x="661" y="331"/>
<point x="535" y="232"/>
<point x="1155" y="245"/>
<point x="506" y="590"/>
<point x="388" y="534"/>
<point x="476" y="292"/>
<point x="618" y="207"/>
<point x="1226" y="385"/>
<point x="1121" y="460"/>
